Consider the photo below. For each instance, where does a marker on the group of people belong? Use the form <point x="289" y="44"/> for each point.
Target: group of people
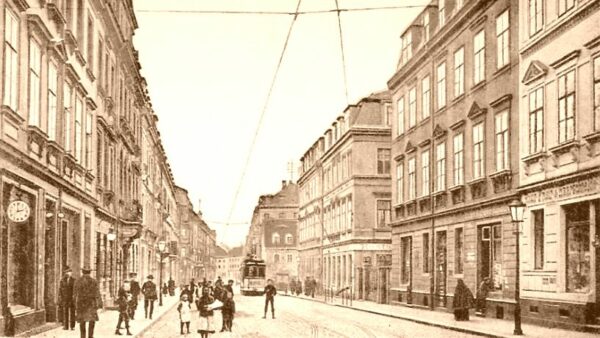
<point x="310" y="285"/>
<point x="207" y="299"/>
<point x="79" y="300"/>
<point x="464" y="300"/>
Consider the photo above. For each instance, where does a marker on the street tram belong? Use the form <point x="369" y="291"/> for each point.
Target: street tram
<point x="252" y="274"/>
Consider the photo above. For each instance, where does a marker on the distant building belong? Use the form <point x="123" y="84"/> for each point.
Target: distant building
<point x="345" y="201"/>
<point x="234" y="260"/>
<point x="273" y="230"/>
<point x="222" y="261"/>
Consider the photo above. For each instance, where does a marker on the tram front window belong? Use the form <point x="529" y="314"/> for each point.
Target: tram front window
<point x="261" y="272"/>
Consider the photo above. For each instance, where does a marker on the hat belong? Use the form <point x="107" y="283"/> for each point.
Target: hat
<point x="132" y="274"/>
<point x="68" y="269"/>
<point x="150" y="277"/>
<point x="86" y="269"/>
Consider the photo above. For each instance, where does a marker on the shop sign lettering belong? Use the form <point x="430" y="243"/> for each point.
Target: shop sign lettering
<point x="582" y="187"/>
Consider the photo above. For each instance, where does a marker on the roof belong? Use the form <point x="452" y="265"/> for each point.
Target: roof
<point x="238" y="251"/>
<point x="220" y="252"/>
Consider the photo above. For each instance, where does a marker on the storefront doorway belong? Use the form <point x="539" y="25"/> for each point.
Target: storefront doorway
<point x="490" y="254"/>
<point x="51" y="277"/>
<point x="440" y="268"/>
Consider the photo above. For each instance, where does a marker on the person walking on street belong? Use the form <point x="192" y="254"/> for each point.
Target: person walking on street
<point x="293" y="286"/>
<point x="299" y="287"/>
<point x="86" y="295"/>
<point x="307" y="285"/>
<point x="463" y="300"/>
<point x="229" y="286"/>
<point x="123" y="302"/>
<point x="65" y="299"/>
<point x="193" y="287"/>
<point x="206" y="313"/>
<point x="171" y="286"/>
<point x="482" y="294"/>
<point x="228" y="311"/>
<point x="313" y="287"/>
<point x="135" y="293"/>
<point x="185" y="312"/>
<point x="150" y="296"/>
<point x="270" y="292"/>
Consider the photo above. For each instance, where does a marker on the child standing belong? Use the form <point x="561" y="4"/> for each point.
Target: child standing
<point x="206" y="313"/>
<point x="228" y="311"/>
<point x="185" y="312"/>
<point x="123" y="302"/>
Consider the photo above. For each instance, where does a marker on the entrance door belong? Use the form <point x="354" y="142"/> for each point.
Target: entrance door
<point x="50" y="276"/>
<point x="490" y="254"/>
<point x="384" y="277"/>
<point x="595" y="217"/>
<point x="440" y="268"/>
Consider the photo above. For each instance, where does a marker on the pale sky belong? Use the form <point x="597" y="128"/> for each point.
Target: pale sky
<point x="209" y="74"/>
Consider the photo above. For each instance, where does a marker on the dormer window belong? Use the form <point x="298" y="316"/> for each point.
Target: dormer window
<point x="406" y="47"/>
<point x="425" y="27"/>
<point x="442" y="12"/>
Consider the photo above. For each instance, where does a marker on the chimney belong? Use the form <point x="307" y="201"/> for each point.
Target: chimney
<point x="283" y="183"/>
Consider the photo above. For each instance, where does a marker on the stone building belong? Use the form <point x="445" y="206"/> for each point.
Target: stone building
<point x="345" y="202"/>
<point x="273" y="230"/>
<point x="559" y="45"/>
<point x="455" y="154"/>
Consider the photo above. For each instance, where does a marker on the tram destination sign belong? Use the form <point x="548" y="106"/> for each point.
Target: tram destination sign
<point x="586" y="186"/>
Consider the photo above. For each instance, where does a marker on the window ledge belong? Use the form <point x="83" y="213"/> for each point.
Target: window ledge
<point x="502" y="70"/>
<point x="440" y="110"/>
<point x="457" y="187"/>
<point x="423" y="198"/>
<point x="458" y="98"/>
<point x="477" y="180"/>
<point x="439" y="193"/>
<point x="501" y="173"/>
<point x="593" y="137"/>
<point x="564" y="147"/>
<point x="533" y="157"/>
<point x="478" y="85"/>
<point x="90" y="74"/>
<point x="424" y="120"/>
<point x="13" y="115"/>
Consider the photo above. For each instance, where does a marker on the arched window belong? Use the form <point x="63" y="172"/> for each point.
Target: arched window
<point x="289" y="239"/>
<point x="275" y="239"/>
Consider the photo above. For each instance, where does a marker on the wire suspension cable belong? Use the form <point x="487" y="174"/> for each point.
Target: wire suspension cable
<point x="339" y="20"/>
<point x="262" y="115"/>
<point x="183" y="11"/>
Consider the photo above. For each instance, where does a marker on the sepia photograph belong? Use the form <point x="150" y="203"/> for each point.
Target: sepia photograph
<point x="300" y="168"/>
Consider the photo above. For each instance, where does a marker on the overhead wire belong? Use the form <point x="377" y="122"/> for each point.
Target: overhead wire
<point x="339" y="20"/>
<point x="194" y="11"/>
<point x="262" y="115"/>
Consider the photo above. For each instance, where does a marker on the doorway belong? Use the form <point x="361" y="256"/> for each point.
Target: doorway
<point x="50" y="273"/>
<point x="440" y="268"/>
<point x="490" y="254"/>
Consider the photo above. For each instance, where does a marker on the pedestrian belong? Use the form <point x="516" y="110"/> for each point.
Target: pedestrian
<point x="463" y="299"/>
<point x="87" y="299"/>
<point x="193" y="287"/>
<point x="307" y="285"/>
<point x="219" y="280"/>
<point x="270" y="292"/>
<point x="171" y="285"/>
<point x="65" y="299"/>
<point x="293" y="286"/>
<point x="135" y="293"/>
<point x="313" y="287"/>
<point x="482" y="294"/>
<point x="186" y="291"/>
<point x="185" y="312"/>
<point x="228" y="312"/>
<point x="299" y="287"/>
<point x="165" y="289"/>
<point x="206" y="313"/>
<point x="150" y="296"/>
<point x="229" y="286"/>
<point x="123" y="304"/>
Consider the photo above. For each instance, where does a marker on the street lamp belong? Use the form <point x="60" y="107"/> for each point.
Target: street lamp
<point x="161" y="250"/>
<point x="517" y="209"/>
<point x="111" y="236"/>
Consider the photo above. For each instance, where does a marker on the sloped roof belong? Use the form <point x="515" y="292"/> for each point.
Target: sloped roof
<point x="220" y="252"/>
<point x="238" y="251"/>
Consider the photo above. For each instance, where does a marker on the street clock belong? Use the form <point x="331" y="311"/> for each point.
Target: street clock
<point x="18" y="211"/>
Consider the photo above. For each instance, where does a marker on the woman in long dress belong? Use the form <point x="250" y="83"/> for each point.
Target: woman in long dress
<point x="206" y="313"/>
<point x="463" y="300"/>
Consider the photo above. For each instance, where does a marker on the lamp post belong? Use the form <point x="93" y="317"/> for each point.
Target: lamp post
<point x="517" y="209"/>
<point x="161" y="250"/>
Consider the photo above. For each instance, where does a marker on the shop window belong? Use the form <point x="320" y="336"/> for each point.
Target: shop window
<point x="538" y="236"/>
<point x="490" y="254"/>
<point x="458" y="250"/>
<point x="406" y="243"/>
<point x="578" y="248"/>
<point x="426" y="253"/>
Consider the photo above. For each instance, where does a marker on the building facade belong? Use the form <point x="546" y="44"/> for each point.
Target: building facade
<point x="345" y="202"/>
<point x="272" y="233"/>
<point x="560" y="178"/>
<point x="455" y="152"/>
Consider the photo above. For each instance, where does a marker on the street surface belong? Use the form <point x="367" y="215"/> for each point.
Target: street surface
<point x="301" y="318"/>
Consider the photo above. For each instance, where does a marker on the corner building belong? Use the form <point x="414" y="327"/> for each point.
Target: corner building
<point x="455" y="153"/>
<point x="560" y="177"/>
<point x="345" y="202"/>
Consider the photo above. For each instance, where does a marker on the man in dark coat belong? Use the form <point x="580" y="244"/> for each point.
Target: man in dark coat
<point x="135" y="293"/>
<point x="229" y="286"/>
<point x="150" y="296"/>
<point x="307" y="286"/>
<point x="86" y="295"/>
<point x="270" y="292"/>
<point x="313" y="287"/>
<point x="65" y="299"/>
<point x="193" y="288"/>
<point x="463" y="300"/>
<point x="171" y="286"/>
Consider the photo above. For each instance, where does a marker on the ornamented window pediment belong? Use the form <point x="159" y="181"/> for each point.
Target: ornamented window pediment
<point x="476" y="111"/>
<point x="438" y="131"/>
<point x="536" y="70"/>
<point x="409" y="147"/>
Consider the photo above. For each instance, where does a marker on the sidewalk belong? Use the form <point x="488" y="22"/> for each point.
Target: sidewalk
<point x="488" y="327"/>
<point x="107" y="324"/>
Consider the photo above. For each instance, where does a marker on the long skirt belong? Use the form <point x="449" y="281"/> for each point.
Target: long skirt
<point x="461" y="314"/>
<point x="206" y="323"/>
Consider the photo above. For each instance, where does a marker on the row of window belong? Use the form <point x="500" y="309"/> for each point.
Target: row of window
<point x="337" y="216"/>
<point x="537" y="11"/>
<point x="407" y="176"/>
<point x="276" y="258"/>
<point x="339" y="169"/>
<point x="407" y="106"/>
<point x="276" y="238"/>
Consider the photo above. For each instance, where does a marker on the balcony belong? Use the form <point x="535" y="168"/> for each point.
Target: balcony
<point x="128" y="136"/>
<point x="131" y="212"/>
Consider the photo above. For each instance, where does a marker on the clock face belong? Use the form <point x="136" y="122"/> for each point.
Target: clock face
<point x="18" y="211"/>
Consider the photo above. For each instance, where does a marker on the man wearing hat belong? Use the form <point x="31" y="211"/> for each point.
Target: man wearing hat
<point x="65" y="299"/>
<point x="135" y="292"/>
<point x="87" y="299"/>
<point x="150" y="295"/>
